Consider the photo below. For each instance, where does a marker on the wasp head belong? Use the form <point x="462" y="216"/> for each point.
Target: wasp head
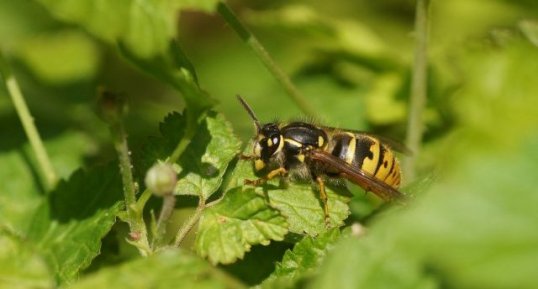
<point x="269" y="140"/>
<point x="268" y="143"/>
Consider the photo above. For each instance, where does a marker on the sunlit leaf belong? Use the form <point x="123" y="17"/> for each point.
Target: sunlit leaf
<point x="168" y="269"/>
<point x="204" y="161"/>
<point x="21" y="267"/>
<point x="80" y="212"/>
<point x="298" y="201"/>
<point x="23" y="194"/>
<point x="242" y="219"/>
<point x="303" y="261"/>
<point x="144" y="26"/>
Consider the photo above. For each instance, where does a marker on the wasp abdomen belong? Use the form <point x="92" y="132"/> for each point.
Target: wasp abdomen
<point x="368" y="154"/>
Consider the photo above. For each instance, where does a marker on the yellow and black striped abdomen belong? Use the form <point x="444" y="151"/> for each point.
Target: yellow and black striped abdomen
<point x="368" y="154"/>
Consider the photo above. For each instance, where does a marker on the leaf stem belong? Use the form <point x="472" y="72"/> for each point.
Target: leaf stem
<point x="266" y="59"/>
<point x="190" y="130"/>
<point x="169" y="202"/>
<point x="189" y="224"/>
<point x="112" y="109"/>
<point x="134" y="213"/>
<point x="415" y="126"/>
<point x="43" y="160"/>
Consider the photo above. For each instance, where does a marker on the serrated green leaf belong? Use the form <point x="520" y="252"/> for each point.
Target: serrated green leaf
<point x="21" y="267"/>
<point x="80" y="212"/>
<point x="232" y="226"/>
<point x="145" y="26"/>
<point x="302" y="261"/>
<point x="169" y="269"/>
<point x="204" y="161"/>
<point x="172" y="130"/>
<point x="298" y="202"/>
<point x="301" y="206"/>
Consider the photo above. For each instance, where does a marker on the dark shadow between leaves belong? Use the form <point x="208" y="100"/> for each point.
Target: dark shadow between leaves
<point x="259" y="263"/>
<point x="191" y="159"/>
<point x="85" y="193"/>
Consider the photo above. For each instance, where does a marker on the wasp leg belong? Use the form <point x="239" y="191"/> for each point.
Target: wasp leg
<point x="323" y="197"/>
<point x="270" y="175"/>
<point x="246" y="157"/>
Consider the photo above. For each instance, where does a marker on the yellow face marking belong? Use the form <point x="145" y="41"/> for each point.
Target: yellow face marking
<point x="321" y="141"/>
<point x="300" y="157"/>
<point x="280" y="144"/>
<point x="259" y="164"/>
<point x="369" y="165"/>
<point x="269" y="142"/>
<point x="352" y="146"/>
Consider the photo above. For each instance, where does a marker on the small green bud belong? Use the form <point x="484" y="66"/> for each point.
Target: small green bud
<point x="161" y="179"/>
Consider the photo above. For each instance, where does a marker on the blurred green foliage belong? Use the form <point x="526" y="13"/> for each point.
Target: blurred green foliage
<point x="472" y="220"/>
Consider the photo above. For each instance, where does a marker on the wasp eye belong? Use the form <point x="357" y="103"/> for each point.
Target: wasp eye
<point x="275" y="140"/>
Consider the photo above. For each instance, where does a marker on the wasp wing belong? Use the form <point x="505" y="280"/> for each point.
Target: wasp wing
<point x="391" y="143"/>
<point x="356" y="175"/>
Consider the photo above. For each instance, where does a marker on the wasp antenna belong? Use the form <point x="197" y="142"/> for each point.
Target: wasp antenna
<point x="250" y="112"/>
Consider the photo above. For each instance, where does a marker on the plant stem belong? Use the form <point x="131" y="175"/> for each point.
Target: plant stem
<point x="169" y="202"/>
<point x="43" y="160"/>
<point x="187" y="227"/>
<point x="135" y="217"/>
<point x="190" y="130"/>
<point x="415" y="126"/>
<point x="267" y="60"/>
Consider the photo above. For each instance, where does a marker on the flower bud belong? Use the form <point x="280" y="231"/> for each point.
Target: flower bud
<point x="161" y="179"/>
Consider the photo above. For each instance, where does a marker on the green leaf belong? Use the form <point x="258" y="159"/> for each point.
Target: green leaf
<point x="467" y="232"/>
<point x="23" y="194"/>
<point x="80" y="57"/>
<point x="372" y="263"/>
<point x="298" y="202"/>
<point x="21" y="267"/>
<point x="204" y="161"/>
<point x="304" y="260"/>
<point x="241" y="219"/>
<point x="145" y="26"/>
<point x="172" y="131"/>
<point x="168" y="269"/>
<point x="80" y="212"/>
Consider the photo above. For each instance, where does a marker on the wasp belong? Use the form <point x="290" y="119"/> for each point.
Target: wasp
<point x="320" y="152"/>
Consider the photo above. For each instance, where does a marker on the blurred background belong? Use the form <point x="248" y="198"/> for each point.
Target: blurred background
<point x="352" y="60"/>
